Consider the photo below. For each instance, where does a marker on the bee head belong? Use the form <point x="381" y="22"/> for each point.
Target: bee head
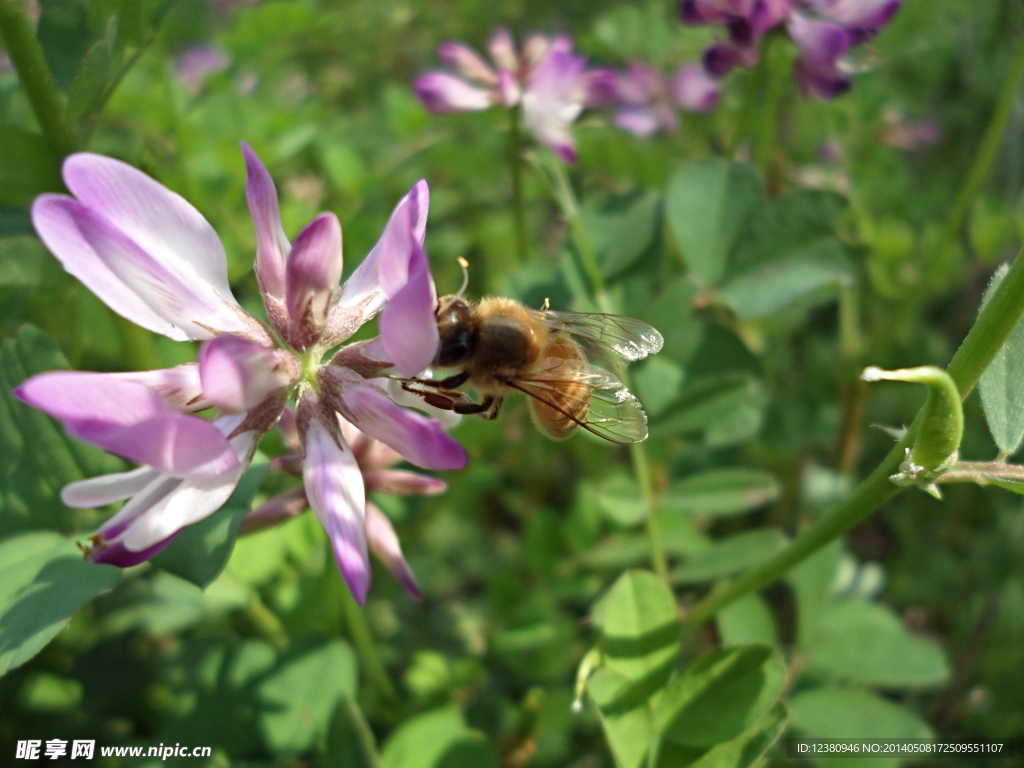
<point x="456" y="331"/>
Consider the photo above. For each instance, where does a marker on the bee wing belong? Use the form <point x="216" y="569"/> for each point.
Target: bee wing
<point x="627" y="337"/>
<point x="612" y="412"/>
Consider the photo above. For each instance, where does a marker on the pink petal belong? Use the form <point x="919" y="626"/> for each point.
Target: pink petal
<point x="239" y="374"/>
<point x="639" y="121"/>
<point x="160" y="221"/>
<point x="408" y="327"/>
<point x="699" y="12"/>
<point x="385" y="545"/>
<point x="271" y="243"/>
<point x="502" y="49"/>
<point x="334" y="487"/>
<point x="130" y="420"/>
<point x="467" y="63"/>
<point x="171" y="289"/>
<point x="694" y="90"/>
<point x="722" y="57"/>
<point x="509" y="90"/>
<point x="118" y="554"/>
<point x="818" y="40"/>
<point x="444" y="94"/>
<point x="59" y="231"/>
<point x="313" y="274"/>
<point x="106" y="489"/>
<point x="554" y="100"/>
<point x="820" y="81"/>
<point x="159" y="511"/>
<point x="420" y="440"/>
<point x="400" y="482"/>
<point x="861" y="18"/>
<point x="179" y="386"/>
<point x="601" y="87"/>
<point x="767" y="13"/>
<point x="385" y="270"/>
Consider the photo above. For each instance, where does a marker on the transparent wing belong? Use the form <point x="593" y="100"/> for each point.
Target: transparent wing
<point x="629" y="338"/>
<point x="612" y="412"/>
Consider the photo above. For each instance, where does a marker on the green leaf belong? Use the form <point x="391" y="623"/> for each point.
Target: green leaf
<point x="1002" y="384"/>
<point x="437" y="739"/>
<point x="657" y="381"/>
<point x="786" y="227"/>
<point x="350" y="742"/>
<point x="95" y="76"/>
<point x="719" y="696"/>
<point x="627" y="721"/>
<point x="43" y="583"/>
<point x="747" y="620"/>
<point x="726" y="409"/>
<point x="853" y="713"/>
<point x="672" y="314"/>
<point x="619" y="498"/>
<point x="730" y="555"/>
<point x="63" y="31"/>
<point x="201" y="551"/>
<point x="721" y="492"/>
<point x="23" y="260"/>
<point x="741" y="752"/>
<point x="866" y="643"/>
<point x="811" y="581"/>
<point x="768" y="290"/>
<point x="36" y="457"/>
<point x="300" y="697"/>
<point x="707" y="205"/>
<point x="27" y="168"/>
<point x="640" y="626"/>
<point x="621" y="227"/>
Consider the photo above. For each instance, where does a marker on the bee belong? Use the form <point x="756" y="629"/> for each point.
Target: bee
<point x="563" y="361"/>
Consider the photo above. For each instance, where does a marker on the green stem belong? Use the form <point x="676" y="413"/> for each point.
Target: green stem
<point x="365" y="647"/>
<point x="638" y="453"/>
<point x="989" y="145"/>
<point x="777" y="65"/>
<point x="995" y="323"/>
<point x="515" y="159"/>
<point x="27" y="56"/>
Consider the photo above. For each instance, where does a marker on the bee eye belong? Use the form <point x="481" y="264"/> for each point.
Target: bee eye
<point x="456" y="346"/>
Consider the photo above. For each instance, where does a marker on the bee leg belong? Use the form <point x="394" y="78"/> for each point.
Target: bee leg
<point x="493" y="407"/>
<point x="469" y="407"/>
<point x="452" y="381"/>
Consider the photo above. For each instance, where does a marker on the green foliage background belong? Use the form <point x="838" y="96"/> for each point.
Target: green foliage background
<point x="775" y="275"/>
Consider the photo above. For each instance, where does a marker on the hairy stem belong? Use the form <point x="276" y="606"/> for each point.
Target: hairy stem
<point x="995" y="323"/>
<point x="365" y="647"/>
<point x="27" y="56"/>
<point x="989" y="146"/>
<point x="515" y="159"/>
<point x="638" y="453"/>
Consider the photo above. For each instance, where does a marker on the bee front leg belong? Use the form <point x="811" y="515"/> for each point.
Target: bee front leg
<point x="493" y="407"/>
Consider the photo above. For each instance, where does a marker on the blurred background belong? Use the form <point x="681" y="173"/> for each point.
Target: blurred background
<point x="857" y="245"/>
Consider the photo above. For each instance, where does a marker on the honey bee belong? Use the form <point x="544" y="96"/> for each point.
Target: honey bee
<point x="500" y="346"/>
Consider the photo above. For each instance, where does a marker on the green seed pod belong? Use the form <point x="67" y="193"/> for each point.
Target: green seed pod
<point x="942" y="427"/>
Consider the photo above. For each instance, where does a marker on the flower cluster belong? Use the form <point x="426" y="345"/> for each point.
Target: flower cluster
<point x="823" y="30"/>
<point x="153" y="258"/>
<point x="544" y="78"/>
<point x="646" y="101"/>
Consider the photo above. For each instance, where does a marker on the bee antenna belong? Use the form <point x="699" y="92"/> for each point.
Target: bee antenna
<point x="465" y="275"/>
<point x="462" y="288"/>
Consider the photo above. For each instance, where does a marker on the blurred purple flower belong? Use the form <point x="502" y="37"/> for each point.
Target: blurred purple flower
<point x="152" y="257"/>
<point x="194" y="65"/>
<point x="646" y="102"/>
<point x="544" y="78"/>
<point x="823" y="30"/>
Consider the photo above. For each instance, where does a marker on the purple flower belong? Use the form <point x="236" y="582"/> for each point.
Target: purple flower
<point x="551" y="85"/>
<point x="647" y="103"/>
<point x="376" y="462"/>
<point x="194" y="65"/>
<point x="823" y="30"/>
<point x="154" y="259"/>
